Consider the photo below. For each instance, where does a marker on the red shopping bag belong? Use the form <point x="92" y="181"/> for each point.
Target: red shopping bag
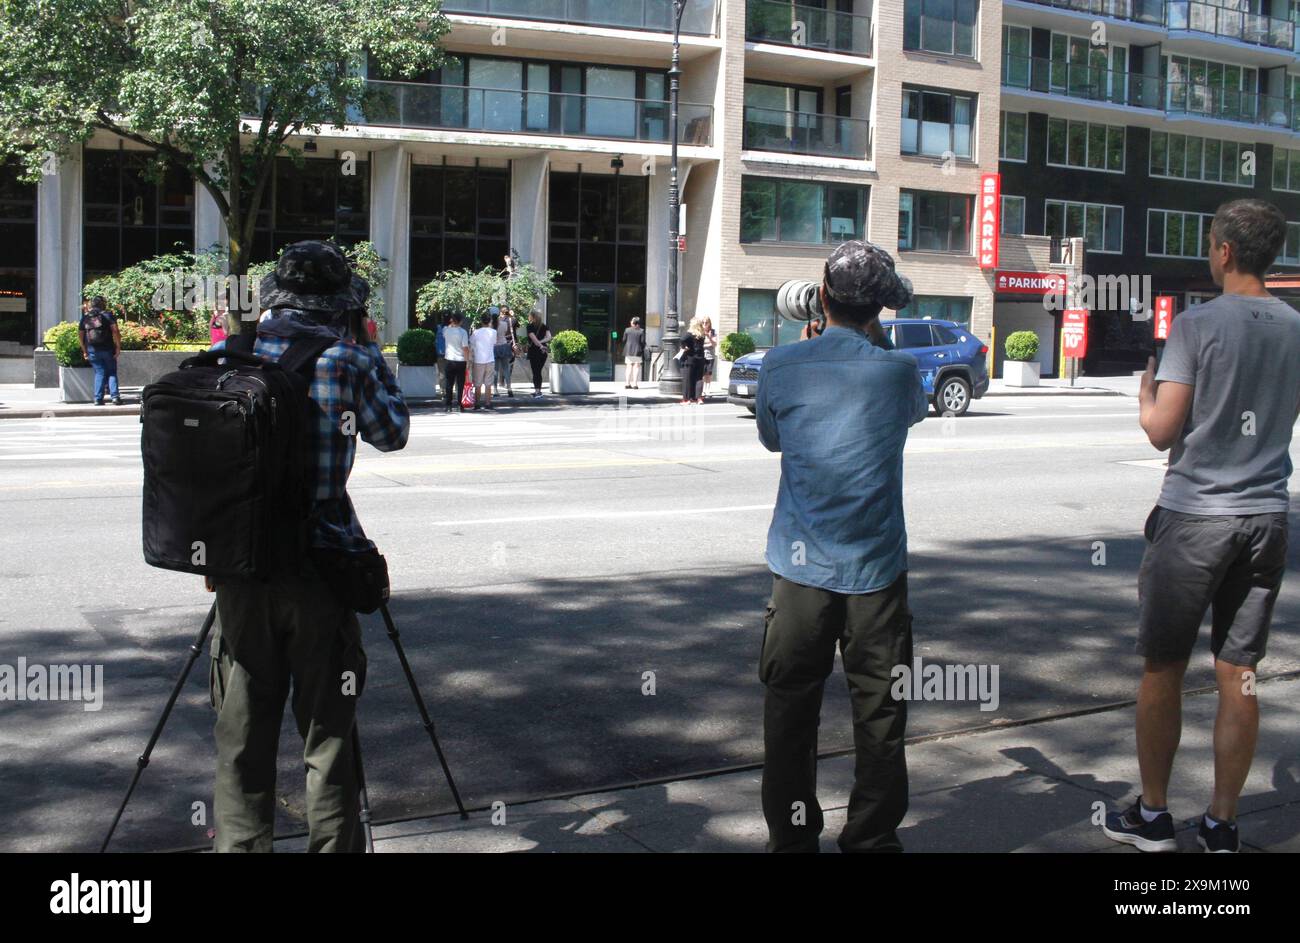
<point x="467" y="398"/>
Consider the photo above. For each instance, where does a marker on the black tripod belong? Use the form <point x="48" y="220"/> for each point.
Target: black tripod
<point x="196" y="649"/>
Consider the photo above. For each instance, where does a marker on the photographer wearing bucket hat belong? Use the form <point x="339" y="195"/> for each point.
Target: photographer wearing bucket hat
<point x="838" y="407"/>
<point x="292" y="629"/>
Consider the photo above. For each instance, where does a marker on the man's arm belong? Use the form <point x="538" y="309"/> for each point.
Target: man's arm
<point x="764" y="415"/>
<point x="920" y="406"/>
<point x="81" y="338"/>
<point x="1163" y="407"/>
<point x="117" y="340"/>
<point x="383" y="419"/>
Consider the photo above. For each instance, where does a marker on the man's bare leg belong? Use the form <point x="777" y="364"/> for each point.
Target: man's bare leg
<point x="1236" y="729"/>
<point x="1159" y="727"/>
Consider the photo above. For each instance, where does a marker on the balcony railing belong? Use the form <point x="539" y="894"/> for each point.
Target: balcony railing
<point x="1200" y="16"/>
<point x="1079" y="80"/>
<point x="802" y="132"/>
<point x="1139" y="11"/>
<point x="653" y="15"/>
<point x="793" y="24"/>
<point x="510" y="111"/>
<point x="1191" y="98"/>
<point x="1223" y="21"/>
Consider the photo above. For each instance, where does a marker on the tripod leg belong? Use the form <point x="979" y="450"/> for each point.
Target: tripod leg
<point x="424" y="713"/>
<point x="196" y="649"/>
<point x="361" y="784"/>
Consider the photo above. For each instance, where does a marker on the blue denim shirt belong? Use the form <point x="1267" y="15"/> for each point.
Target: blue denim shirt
<point x="838" y="409"/>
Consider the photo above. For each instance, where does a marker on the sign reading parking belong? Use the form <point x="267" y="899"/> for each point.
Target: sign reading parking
<point x="1029" y="283"/>
<point x="990" y="221"/>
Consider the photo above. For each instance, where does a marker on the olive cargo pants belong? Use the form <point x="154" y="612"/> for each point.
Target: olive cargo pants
<point x="802" y="627"/>
<point x="267" y="636"/>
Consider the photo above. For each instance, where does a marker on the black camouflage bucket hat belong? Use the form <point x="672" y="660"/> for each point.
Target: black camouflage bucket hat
<point x="862" y="274"/>
<point x="314" y="276"/>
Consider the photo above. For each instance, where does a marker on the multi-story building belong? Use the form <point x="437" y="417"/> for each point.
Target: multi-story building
<point x="1126" y="123"/>
<point x="1123" y="122"/>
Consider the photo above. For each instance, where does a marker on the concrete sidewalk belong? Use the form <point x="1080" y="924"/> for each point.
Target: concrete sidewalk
<point x="1024" y="788"/>
<point x="1083" y="386"/>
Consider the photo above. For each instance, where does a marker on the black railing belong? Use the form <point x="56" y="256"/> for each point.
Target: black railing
<point x="653" y="15"/>
<point x="801" y="132"/>
<point x="793" y="24"/>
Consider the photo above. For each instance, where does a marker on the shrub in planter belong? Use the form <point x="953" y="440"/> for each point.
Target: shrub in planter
<point x="735" y="345"/>
<point x="569" y="347"/>
<point x="140" y="336"/>
<point x="63" y="340"/>
<point x="1022" y="346"/>
<point x="417" y="348"/>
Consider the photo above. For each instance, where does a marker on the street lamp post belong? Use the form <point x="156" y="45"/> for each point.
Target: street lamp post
<point x="670" y="377"/>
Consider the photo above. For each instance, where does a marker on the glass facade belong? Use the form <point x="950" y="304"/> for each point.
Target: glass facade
<point x="460" y="219"/>
<point x="322" y="199"/>
<point x="937" y="124"/>
<point x="1101" y="226"/>
<point x="801" y="211"/>
<point x="597" y="242"/>
<point x="130" y="215"/>
<point x="934" y="222"/>
<point x="758" y="319"/>
<point x="942" y="26"/>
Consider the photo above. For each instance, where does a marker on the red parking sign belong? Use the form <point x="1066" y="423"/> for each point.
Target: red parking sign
<point x="1164" y="316"/>
<point x="1074" y="332"/>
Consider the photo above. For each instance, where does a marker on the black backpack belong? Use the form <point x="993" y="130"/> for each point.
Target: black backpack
<point x="225" y="461"/>
<point x="99" y="329"/>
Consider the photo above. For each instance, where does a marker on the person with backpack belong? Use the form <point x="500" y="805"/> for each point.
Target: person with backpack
<point x="455" y="342"/>
<point x="297" y="627"/>
<point x="101" y="345"/>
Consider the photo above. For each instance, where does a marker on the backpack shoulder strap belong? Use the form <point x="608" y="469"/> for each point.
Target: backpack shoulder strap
<point x="303" y="353"/>
<point x="244" y="341"/>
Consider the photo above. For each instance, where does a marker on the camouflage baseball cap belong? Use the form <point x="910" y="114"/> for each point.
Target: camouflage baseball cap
<point x="861" y="273"/>
<point x="313" y="276"/>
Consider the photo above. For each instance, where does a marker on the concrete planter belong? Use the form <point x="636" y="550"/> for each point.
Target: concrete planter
<point x="570" y="378"/>
<point x="77" y="384"/>
<point x="418" y="382"/>
<point x="1019" y="373"/>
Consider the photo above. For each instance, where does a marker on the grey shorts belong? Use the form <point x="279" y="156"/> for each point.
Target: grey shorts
<point x="1230" y="565"/>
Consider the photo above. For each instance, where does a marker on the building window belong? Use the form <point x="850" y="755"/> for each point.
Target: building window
<point x="1177" y="234"/>
<point x="18" y="262"/>
<point x="310" y="199"/>
<point x="942" y="26"/>
<point x="1192" y="158"/>
<point x="934" y="222"/>
<point x="1100" y="226"/>
<point x="937" y="124"/>
<point x="1013" y="215"/>
<point x="758" y="319"/>
<point x="1291" y="248"/>
<point x="940" y="308"/>
<point x="1016" y="58"/>
<point x="1013" y="136"/>
<point x="1211" y="88"/>
<point x="129" y="216"/>
<point x="1286" y="169"/>
<point x="1085" y="145"/>
<point x="778" y="210"/>
<point x="1081" y="69"/>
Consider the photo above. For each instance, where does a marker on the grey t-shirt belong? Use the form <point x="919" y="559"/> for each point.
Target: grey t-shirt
<point x="1241" y="354"/>
<point x="632" y="342"/>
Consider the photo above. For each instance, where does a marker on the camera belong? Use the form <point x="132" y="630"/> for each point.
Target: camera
<point x="799" y="300"/>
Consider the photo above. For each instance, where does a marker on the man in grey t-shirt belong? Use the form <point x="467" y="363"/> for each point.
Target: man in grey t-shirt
<point x="1224" y="401"/>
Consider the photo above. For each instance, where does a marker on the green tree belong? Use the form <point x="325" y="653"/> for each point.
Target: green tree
<point x="215" y="87"/>
<point x="472" y="293"/>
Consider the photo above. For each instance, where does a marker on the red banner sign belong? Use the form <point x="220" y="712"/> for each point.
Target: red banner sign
<point x="1074" y="332"/>
<point x="1029" y="283"/>
<point x="990" y="219"/>
<point x="1164" y="316"/>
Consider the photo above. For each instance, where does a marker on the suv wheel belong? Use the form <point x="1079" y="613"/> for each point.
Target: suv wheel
<point x="953" y="396"/>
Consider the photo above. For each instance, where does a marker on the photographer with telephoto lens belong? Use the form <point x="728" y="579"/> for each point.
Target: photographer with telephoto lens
<point x="837" y="407"/>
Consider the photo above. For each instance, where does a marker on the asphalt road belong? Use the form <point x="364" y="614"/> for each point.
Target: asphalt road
<point x="543" y="560"/>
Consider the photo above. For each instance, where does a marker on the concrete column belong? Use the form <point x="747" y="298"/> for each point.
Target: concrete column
<point x="390" y="231"/>
<point x="209" y="225"/>
<point x="58" y="244"/>
<point x="529" y="192"/>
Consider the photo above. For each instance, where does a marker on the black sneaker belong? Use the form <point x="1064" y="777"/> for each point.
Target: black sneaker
<point x="1221" y="839"/>
<point x="117" y="402"/>
<point x="1129" y="828"/>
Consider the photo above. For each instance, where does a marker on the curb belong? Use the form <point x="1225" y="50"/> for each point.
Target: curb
<point x="70" y="412"/>
<point x="1094" y="391"/>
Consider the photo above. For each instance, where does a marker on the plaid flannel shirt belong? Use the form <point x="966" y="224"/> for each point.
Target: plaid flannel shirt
<point x="350" y="378"/>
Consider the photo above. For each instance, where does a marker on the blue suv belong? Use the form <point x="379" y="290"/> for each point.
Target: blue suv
<point x="953" y="364"/>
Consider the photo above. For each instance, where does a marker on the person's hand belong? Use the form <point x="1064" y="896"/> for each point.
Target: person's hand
<point x="207" y="584"/>
<point x="1147" y="389"/>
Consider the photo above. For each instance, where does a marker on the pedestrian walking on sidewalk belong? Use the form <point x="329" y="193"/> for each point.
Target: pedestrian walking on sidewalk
<point x="633" y="353"/>
<point x="482" y="346"/>
<point x="1223" y="399"/>
<point x="539" y="339"/>
<point x="710" y="353"/>
<point x="692" y="360"/>
<point x="838" y="409"/>
<point x="506" y="348"/>
<point x="456" y="355"/>
<point x="101" y="345"/>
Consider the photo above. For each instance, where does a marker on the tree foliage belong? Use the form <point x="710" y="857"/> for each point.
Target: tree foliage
<point x="215" y="87"/>
<point x="471" y="293"/>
